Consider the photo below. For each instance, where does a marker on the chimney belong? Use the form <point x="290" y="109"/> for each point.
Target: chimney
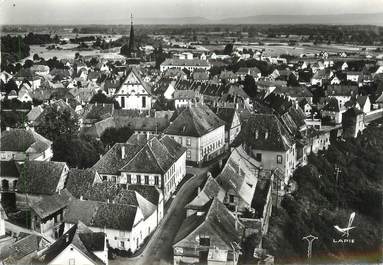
<point x="123" y="151"/>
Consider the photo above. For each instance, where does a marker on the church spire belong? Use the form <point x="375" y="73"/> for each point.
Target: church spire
<point x="131" y="37"/>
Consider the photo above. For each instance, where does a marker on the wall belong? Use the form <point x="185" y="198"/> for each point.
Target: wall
<point x="71" y="253"/>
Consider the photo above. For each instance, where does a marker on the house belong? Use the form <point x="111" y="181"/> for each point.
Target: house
<point x="22" y="249"/>
<point x="306" y="107"/>
<point x="165" y="87"/>
<point x="252" y="71"/>
<point x="353" y="76"/>
<point x="321" y="76"/>
<point x="134" y="93"/>
<point x="79" y="245"/>
<point x="39" y="69"/>
<point x="228" y="76"/>
<point x="295" y="93"/>
<point x="332" y="111"/>
<point x="342" y="93"/>
<point x="9" y="175"/>
<point x="199" y="130"/>
<point x="123" y="224"/>
<point x="188" y="64"/>
<point x="212" y="235"/>
<point x="209" y="190"/>
<point x="364" y="103"/>
<point x="353" y="123"/>
<point x="268" y="141"/>
<point x="24" y="95"/>
<point x="24" y="144"/>
<point x="184" y="98"/>
<point x="344" y="66"/>
<point x="200" y="75"/>
<point x="232" y="123"/>
<point x="159" y="162"/>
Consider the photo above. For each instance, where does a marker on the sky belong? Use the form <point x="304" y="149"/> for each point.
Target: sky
<point x="118" y="11"/>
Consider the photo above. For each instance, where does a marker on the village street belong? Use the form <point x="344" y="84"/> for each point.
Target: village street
<point x="159" y="248"/>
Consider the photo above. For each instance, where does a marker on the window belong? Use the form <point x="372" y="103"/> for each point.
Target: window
<point x="279" y="159"/>
<point x="122" y="244"/>
<point x="128" y="178"/>
<point x="188" y="154"/>
<point x="188" y="141"/>
<point x="144" y="102"/>
<point x="138" y="179"/>
<point x="104" y="178"/>
<point x="72" y="262"/>
<point x="122" y="102"/>
<point x="231" y="198"/>
<point x="114" y="179"/>
<point x="258" y="157"/>
<point x="146" y="180"/>
<point x="156" y="180"/>
<point x="204" y="241"/>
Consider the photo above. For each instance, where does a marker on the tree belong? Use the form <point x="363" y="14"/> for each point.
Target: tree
<point x="28" y="64"/>
<point x="116" y="135"/>
<point x="228" y="49"/>
<point x="36" y="57"/>
<point x="57" y="123"/>
<point x="249" y="86"/>
<point x="75" y="151"/>
<point x="102" y="98"/>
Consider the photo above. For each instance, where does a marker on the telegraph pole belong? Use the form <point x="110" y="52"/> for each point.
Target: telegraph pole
<point x="310" y="239"/>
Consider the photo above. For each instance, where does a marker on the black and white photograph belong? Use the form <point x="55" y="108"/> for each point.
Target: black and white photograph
<point x="191" y="132"/>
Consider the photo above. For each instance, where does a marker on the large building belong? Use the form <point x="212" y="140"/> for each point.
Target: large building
<point x="268" y="141"/>
<point x="134" y="93"/>
<point x="159" y="162"/>
<point x="199" y="130"/>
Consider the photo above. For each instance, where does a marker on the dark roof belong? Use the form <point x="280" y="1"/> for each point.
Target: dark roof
<point x="98" y="111"/>
<point x="217" y="220"/>
<point x="332" y="105"/>
<point x="210" y="190"/>
<point x="115" y="216"/>
<point x="21" y="249"/>
<point x="112" y="161"/>
<point x="9" y="169"/>
<point x="23" y="140"/>
<point x="260" y="196"/>
<point x="151" y="193"/>
<point x="49" y="204"/>
<point x="294" y="91"/>
<point x="79" y="180"/>
<point x="86" y="241"/>
<point x="227" y="115"/>
<point x="195" y="121"/>
<point x="362" y="100"/>
<point x="261" y="125"/>
<point x="41" y="177"/>
<point x="131" y="197"/>
<point x="341" y="90"/>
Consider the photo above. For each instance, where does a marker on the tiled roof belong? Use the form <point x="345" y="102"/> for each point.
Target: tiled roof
<point x="86" y="242"/>
<point x="332" y="105"/>
<point x="98" y="111"/>
<point x="294" y="91"/>
<point x="341" y="90"/>
<point x="185" y="62"/>
<point x="40" y="177"/>
<point x="217" y="220"/>
<point x="50" y="204"/>
<point x="112" y="161"/>
<point x="362" y="100"/>
<point x="115" y="216"/>
<point x="131" y="197"/>
<point x="21" y="248"/>
<point x="151" y="193"/>
<point x="210" y="190"/>
<point x="9" y="169"/>
<point x="23" y="140"/>
<point x="79" y="180"/>
<point x="227" y="115"/>
<point x="184" y="94"/>
<point x="195" y="121"/>
<point x="265" y="132"/>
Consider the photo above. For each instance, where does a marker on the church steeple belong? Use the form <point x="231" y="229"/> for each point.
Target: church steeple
<point x="131" y="37"/>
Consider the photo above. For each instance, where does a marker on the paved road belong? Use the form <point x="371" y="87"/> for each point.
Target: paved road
<point x="159" y="248"/>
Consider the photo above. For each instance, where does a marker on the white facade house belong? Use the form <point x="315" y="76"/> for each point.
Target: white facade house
<point x="134" y="93"/>
<point x="199" y="130"/>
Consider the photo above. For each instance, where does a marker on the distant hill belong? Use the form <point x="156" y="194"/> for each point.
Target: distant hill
<point x="340" y="19"/>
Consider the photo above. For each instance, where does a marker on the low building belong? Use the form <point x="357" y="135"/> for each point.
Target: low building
<point x="185" y="98"/>
<point x="79" y="245"/>
<point x="199" y="130"/>
<point x="212" y="235"/>
<point x="353" y="123"/>
<point x="232" y="123"/>
<point x="24" y="144"/>
<point x="189" y="64"/>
